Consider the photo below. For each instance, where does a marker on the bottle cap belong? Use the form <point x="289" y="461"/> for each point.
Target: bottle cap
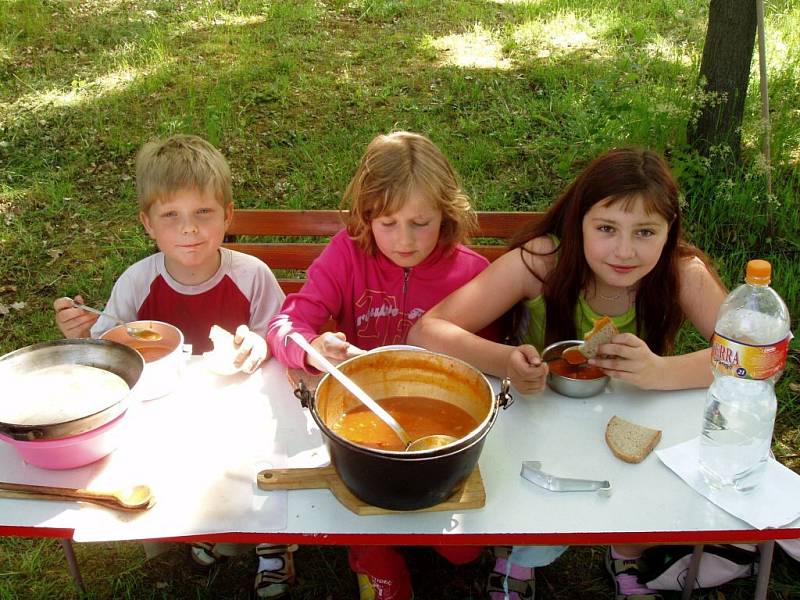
<point x="759" y="272"/>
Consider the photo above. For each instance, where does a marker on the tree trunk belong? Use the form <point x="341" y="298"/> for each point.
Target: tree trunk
<point x="724" y="75"/>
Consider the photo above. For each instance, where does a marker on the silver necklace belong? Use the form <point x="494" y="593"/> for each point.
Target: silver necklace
<point x="609" y="298"/>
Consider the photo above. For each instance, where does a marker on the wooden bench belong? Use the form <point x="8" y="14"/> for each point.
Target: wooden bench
<point x="278" y="232"/>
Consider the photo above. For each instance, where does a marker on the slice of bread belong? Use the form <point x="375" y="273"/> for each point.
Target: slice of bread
<point x="630" y="442"/>
<point x="603" y="332"/>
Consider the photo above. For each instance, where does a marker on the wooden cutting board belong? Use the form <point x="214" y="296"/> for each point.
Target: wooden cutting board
<point x="472" y="495"/>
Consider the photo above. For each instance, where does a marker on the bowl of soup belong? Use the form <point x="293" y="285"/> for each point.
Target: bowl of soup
<point x="575" y="381"/>
<point x="163" y="358"/>
<point x="428" y="394"/>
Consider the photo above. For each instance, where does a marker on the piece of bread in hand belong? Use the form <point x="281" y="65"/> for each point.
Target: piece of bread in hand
<point x="220" y="359"/>
<point x="603" y="332"/>
<point x="630" y="442"/>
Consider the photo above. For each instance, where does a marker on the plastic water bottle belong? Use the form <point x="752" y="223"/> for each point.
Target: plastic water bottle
<point x="749" y="348"/>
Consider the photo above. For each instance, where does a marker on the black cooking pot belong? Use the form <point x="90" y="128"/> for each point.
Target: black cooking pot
<point x="110" y="356"/>
<point x="405" y="480"/>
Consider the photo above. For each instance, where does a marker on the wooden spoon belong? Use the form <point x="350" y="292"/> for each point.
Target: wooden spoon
<point x="139" y="497"/>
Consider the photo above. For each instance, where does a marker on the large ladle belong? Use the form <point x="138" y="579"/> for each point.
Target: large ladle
<point x="138" y="497"/>
<point x="424" y="443"/>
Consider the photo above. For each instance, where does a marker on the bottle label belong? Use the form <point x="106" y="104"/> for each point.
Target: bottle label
<point x="747" y="361"/>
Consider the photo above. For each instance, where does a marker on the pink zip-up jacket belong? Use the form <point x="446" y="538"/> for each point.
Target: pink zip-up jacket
<point x="373" y="301"/>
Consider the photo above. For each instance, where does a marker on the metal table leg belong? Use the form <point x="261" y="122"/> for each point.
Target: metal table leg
<point x="764" y="567"/>
<point x="72" y="564"/>
<point x="694" y="568"/>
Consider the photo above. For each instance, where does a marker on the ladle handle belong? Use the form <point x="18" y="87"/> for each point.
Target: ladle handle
<point x="351" y="387"/>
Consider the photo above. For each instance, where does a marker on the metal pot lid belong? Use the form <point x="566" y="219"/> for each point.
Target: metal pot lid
<point x="59" y="388"/>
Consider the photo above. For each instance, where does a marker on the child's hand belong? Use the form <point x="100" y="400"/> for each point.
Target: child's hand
<point x="526" y="370"/>
<point x="334" y="347"/>
<point x="631" y="360"/>
<point x="251" y="350"/>
<point x="73" y="322"/>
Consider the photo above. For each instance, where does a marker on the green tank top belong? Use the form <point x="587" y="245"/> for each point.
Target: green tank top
<point x="585" y="317"/>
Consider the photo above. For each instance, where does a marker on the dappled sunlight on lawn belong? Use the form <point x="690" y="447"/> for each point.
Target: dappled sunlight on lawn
<point x="670" y="50"/>
<point x="82" y="91"/>
<point x="477" y="49"/>
<point x="562" y="34"/>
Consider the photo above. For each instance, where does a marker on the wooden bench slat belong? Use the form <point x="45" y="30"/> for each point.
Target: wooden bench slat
<point x="259" y="222"/>
<point x="286" y="222"/>
<point x="326" y="223"/>
<point x="281" y="255"/>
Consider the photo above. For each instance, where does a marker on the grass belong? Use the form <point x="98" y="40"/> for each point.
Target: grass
<point x="519" y="94"/>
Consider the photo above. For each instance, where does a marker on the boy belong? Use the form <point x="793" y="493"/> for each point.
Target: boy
<point x="183" y="186"/>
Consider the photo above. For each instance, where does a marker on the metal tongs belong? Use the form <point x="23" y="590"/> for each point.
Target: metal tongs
<point x="532" y="471"/>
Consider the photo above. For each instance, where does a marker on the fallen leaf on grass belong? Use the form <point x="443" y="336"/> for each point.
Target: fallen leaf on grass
<point x="3" y="309"/>
<point x="19" y="305"/>
<point x="55" y="254"/>
<point x="795" y="387"/>
<point x="7" y="288"/>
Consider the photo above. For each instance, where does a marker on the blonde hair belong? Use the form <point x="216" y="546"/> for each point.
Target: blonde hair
<point x="164" y="167"/>
<point x="395" y="166"/>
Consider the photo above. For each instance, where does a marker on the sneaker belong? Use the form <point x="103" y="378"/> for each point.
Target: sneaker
<point x="276" y="573"/>
<point x="508" y="581"/>
<point x="204" y="554"/>
<point x="624" y="573"/>
<point x="378" y="588"/>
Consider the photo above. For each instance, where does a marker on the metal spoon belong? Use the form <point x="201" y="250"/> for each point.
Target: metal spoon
<point x="139" y="497"/>
<point x="140" y="333"/>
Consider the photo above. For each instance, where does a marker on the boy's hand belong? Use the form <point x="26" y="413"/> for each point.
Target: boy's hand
<point x="526" y="370"/>
<point x="73" y="322"/>
<point x="251" y="351"/>
<point x="334" y="347"/>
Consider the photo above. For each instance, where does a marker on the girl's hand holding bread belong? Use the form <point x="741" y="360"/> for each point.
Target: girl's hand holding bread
<point x="628" y="358"/>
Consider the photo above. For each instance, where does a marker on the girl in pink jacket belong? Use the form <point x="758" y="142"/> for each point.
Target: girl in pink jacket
<point x="400" y="254"/>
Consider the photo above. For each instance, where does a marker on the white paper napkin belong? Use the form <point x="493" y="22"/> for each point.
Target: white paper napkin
<point x="773" y="503"/>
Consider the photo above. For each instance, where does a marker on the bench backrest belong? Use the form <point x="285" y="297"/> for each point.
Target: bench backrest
<point x="279" y="230"/>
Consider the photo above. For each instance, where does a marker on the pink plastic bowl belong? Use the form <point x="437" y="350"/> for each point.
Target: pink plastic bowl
<point x="71" y="451"/>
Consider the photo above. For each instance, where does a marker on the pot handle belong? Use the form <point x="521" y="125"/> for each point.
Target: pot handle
<point x="21" y="433"/>
<point x="504" y="398"/>
<point x="305" y="395"/>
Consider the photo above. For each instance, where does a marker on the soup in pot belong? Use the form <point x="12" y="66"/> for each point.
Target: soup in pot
<point x="418" y="415"/>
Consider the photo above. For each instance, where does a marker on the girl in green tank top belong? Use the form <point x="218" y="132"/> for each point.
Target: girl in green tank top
<point x="610" y="245"/>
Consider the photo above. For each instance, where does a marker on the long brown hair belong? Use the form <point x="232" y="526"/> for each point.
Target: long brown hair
<point x="620" y="175"/>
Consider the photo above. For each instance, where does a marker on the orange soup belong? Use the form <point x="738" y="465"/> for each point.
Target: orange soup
<point x="151" y="352"/>
<point x="583" y="371"/>
<point x="418" y="415"/>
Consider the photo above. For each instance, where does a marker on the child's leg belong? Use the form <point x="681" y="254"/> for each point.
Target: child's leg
<point x="622" y="564"/>
<point x="459" y="555"/>
<point x="513" y="575"/>
<point x="275" y="573"/>
<point x="381" y="571"/>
